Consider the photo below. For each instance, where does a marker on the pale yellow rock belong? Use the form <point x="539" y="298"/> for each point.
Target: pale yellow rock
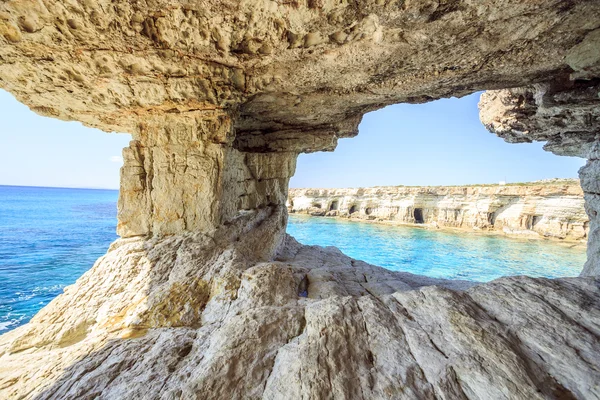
<point x="185" y="316"/>
<point x="110" y="65"/>
<point x="548" y="209"/>
<point x="204" y="296"/>
<point x="182" y="174"/>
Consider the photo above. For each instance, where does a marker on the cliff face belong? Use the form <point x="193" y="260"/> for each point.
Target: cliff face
<point x="551" y="210"/>
<point x="204" y="296"/>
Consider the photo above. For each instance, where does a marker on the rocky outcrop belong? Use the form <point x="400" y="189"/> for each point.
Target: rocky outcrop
<point x="298" y="73"/>
<point x="566" y="114"/>
<point x="201" y="315"/>
<point x="549" y="209"/>
<point x="183" y="174"/>
<point x="204" y="296"/>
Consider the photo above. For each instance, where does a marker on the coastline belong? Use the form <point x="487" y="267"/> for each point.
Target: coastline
<point x="548" y="210"/>
<point x="576" y="244"/>
<point x="58" y="187"/>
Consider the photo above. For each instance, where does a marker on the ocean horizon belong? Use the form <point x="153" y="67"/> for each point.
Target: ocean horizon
<point x="59" y="187"/>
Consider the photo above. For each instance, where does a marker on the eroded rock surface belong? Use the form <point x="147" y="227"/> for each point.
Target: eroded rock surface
<point x="204" y="297"/>
<point x="181" y="174"/>
<point x="301" y="73"/>
<point x="200" y="316"/>
<point x="549" y="209"/>
<point x="564" y="114"/>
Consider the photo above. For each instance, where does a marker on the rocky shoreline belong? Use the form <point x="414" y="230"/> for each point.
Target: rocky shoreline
<point x="205" y="296"/>
<point x="552" y="209"/>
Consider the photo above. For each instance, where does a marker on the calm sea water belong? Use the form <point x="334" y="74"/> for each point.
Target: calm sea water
<point x="49" y="237"/>
<point x="440" y="254"/>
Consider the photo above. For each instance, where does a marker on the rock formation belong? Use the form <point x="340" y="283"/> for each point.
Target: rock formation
<point x="552" y="209"/>
<point x="566" y="114"/>
<point x="200" y="316"/>
<point x="204" y="296"/>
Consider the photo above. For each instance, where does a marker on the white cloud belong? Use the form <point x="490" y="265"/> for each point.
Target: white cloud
<point x="116" y="159"/>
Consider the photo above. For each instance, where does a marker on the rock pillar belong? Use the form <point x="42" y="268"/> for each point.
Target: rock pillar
<point x="590" y="183"/>
<point x="181" y="173"/>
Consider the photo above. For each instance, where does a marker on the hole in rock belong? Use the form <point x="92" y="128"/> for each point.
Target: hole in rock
<point x="316" y="205"/>
<point x="303" y="287"/>
<point x="402" y="146"/>
<point x="418" y="215"/>
<point x="491" y="218"/>
<point x="436" y="165"/>
<point x="532" y="221"/>
<point x="334" y="205"/>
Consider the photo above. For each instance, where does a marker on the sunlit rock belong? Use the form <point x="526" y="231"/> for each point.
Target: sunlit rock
<point x="204" y="296"/>
<point x="549" y="209"/>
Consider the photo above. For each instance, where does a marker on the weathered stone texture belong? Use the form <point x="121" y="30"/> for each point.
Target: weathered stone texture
<point x="181" y="173"/>
<point x="565" y="114"/>
<point x="196" y="315"/>
<point x="590" y="182"/>
<point x="307" y="69"/>
<point x="201" y="299"/>
<point x="552" y="209"/>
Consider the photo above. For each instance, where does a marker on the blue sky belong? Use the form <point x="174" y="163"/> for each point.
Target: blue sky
<point x="439" y="143"/>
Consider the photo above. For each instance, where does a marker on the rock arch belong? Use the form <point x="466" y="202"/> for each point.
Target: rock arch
<point x="220" y="100"/>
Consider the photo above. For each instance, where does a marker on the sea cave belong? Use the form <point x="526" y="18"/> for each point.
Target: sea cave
<point x="204" y="295"/>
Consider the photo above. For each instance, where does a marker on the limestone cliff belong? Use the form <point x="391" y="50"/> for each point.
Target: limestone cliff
<point x="204" y="296"/>
<point x="552" y="209"/>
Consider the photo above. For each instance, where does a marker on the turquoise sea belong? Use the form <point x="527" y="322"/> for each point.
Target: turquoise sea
<point x="50" y="236"/>
<point x="440" y="253"/>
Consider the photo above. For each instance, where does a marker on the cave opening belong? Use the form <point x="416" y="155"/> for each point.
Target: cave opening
<point x="532" y="221"/>
<point x="418" y="215"/>
<point x="376" y="166"/>
<point x="381" y="180"/>
<point x="491" y="218"/>
<point x="334" y="205"/>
